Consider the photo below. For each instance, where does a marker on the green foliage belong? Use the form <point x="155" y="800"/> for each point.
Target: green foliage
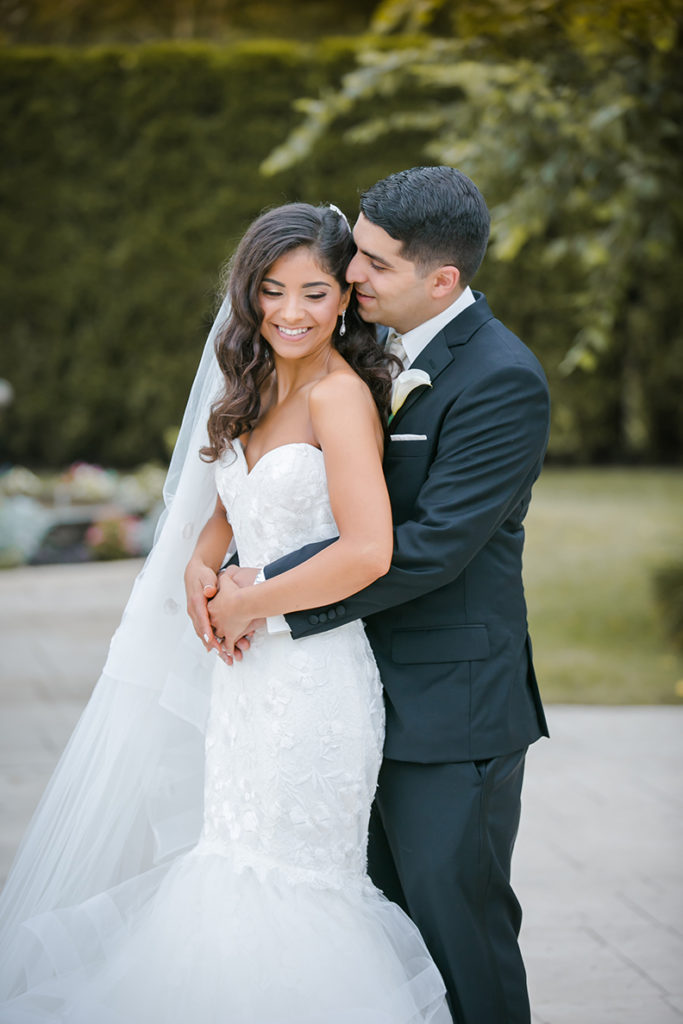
<point x="569" y="118"/>
<point x="78" y="22"/>
<point x="130" y="172"/>
<point x="115" y="236"/>
<point x="128" y="176"/>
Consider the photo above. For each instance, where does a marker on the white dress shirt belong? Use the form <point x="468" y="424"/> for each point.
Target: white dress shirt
<point x="416" y="340"/>
<point x="413" y="342"/>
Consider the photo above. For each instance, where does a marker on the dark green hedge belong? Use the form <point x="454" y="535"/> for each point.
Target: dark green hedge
<point x="88" y="22"/>
<point x="128" y="175"/>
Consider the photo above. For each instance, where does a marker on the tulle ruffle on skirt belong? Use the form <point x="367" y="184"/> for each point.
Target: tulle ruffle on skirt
<point x="202" y="941"/>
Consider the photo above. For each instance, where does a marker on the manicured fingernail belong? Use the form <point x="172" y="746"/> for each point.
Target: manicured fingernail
<point x="206" y="638"/>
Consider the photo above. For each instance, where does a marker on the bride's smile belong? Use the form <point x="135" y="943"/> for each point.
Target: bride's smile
<point x="301" y="304"/>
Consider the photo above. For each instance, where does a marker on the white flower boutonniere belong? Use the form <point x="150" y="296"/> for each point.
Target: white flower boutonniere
<point x="406" y="382"/>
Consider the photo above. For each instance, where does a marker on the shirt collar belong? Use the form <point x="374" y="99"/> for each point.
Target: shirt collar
<point x="416" y="340"/>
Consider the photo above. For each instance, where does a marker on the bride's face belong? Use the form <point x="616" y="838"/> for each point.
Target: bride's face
<point x="300" y="303"/>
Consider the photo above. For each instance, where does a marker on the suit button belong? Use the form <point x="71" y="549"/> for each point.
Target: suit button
<point x="340" y="609"/>
<point x="322" y="617"/>
<point x="331" y="614"/>
<point x="313" y="619"/>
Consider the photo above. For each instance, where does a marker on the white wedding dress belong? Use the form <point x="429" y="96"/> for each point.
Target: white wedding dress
<point x="270" y="918"/>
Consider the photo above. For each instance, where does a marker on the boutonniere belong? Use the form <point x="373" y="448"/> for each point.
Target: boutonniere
<point x="406" y="382"/>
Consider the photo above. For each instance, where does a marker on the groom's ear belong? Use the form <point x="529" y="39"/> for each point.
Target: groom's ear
<point x="446" y="282"/>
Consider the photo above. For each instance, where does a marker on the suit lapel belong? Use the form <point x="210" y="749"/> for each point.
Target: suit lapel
<point x="434" y="359"/>
<point x="437" y="355"/>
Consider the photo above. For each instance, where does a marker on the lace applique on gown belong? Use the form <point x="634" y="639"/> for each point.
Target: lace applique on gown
<point x="271" y="918"/>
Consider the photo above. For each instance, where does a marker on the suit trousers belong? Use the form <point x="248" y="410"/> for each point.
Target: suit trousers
<point x="441" y="840"/>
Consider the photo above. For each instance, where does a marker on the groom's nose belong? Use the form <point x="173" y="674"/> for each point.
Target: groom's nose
<point x="354" y="272"/>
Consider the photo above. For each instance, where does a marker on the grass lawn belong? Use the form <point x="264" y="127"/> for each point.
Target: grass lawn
<point x="593" y="539"/>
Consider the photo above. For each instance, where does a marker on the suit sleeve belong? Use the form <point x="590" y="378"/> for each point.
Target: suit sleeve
<point x="490" y="450"/>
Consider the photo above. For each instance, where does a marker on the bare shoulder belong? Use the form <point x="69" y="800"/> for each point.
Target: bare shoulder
<point x="340" y="387"/>
<point x="341" y="405"/>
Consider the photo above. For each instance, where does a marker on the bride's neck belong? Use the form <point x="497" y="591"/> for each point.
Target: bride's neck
<point x="293" y="374"/>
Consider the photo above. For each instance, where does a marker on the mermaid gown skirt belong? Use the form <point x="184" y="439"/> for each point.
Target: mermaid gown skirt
<point x="271" y="917"/>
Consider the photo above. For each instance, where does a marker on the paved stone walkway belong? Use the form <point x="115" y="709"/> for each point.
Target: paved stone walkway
<point x="599" y="860"/>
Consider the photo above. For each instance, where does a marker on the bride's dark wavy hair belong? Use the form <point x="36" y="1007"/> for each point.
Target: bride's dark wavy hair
<point x="243" y="354"/>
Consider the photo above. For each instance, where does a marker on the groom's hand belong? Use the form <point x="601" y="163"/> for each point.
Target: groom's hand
<point x="242" y="575"/>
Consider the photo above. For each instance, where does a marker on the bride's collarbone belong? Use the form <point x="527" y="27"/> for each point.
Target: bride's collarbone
<point x="260" y="443"/>
<point x="282" y="423"/>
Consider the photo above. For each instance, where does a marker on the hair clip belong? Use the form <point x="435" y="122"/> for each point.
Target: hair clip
<point x="340" y="214"/>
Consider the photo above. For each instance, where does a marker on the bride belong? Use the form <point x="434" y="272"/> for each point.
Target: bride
<point x="200" y="851"/>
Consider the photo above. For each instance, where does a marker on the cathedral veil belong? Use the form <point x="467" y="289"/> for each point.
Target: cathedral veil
<point x="126" y="796"/>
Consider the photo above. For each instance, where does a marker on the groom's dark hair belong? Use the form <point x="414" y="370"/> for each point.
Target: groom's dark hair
<point x="436" y="212"/>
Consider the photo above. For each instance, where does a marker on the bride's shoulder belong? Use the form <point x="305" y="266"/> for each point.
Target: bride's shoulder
<point x="340" y="385"/>
<point x="341" y="401"/>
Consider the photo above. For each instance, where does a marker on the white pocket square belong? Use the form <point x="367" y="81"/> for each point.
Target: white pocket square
<point x="407" y="437"/>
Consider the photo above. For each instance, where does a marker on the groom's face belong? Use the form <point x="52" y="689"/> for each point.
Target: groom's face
<point x="390" y="289"/>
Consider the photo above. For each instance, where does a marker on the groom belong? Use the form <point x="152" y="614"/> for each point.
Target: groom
<point x="448" y="622"/>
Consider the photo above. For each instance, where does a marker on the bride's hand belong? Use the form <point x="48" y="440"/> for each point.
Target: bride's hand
<point x="243" y="576"/>
<point x="230" y="624"/>
<point x="201" y="584"/>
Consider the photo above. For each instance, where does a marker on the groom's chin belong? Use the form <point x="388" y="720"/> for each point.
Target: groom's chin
<point x="366" y="316"/>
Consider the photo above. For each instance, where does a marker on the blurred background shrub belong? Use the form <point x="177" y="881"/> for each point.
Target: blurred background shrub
<point x="128" y="176"/>
<point x="140" y="140"/>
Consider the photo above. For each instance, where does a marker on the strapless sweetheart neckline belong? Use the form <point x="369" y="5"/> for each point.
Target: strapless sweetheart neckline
<point x="277" y="448"/>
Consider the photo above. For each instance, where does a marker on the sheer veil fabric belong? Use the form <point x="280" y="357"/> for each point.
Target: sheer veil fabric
<point x="126" y="797"/>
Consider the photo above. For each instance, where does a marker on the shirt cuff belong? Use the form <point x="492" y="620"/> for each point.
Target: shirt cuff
<point x="274" y="623"/>
<point x="277" y="624"/>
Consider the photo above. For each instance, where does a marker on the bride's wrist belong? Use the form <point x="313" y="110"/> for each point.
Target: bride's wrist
<point x="197" y="563"/>
<point x="251" y="602"/>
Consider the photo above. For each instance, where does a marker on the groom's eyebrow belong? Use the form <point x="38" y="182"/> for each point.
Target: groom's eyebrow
<point x="377" y="259"/>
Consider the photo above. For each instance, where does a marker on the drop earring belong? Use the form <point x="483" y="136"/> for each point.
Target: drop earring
<point x="342" y="327"/>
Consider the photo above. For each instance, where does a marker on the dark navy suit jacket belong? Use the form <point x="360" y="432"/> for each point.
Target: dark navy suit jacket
<point x="448" y="622"/>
